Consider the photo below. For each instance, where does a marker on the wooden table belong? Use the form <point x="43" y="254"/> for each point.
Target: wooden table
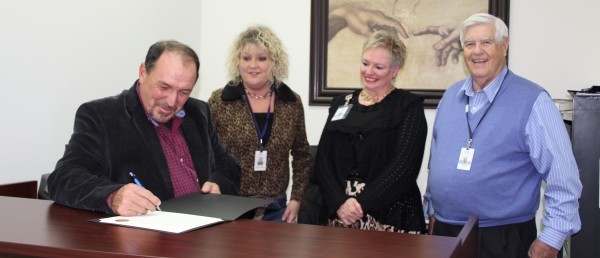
<point x="31" y="227"/>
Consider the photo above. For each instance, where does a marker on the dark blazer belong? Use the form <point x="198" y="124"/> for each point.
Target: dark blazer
<point x="113" y="136"/>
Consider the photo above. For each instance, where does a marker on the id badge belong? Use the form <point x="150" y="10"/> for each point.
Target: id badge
<point x="341" y="113"/>
<point x="465" y="159"/>
<point x="260" y="161"/>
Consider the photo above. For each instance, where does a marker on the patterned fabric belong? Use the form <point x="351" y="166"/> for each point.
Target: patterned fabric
<point x="233" y="121"/>
<point x="369" y="222"/>
<point x="354" y="186"/>
<point x="179" y="160"/>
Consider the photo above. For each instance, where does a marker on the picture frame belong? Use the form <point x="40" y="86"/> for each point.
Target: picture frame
<point x="321" y="93"/>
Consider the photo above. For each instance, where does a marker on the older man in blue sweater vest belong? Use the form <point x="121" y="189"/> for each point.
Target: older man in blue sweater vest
<point x="496" y="137"/>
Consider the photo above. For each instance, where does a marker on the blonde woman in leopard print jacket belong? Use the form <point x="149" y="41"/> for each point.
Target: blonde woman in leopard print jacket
<point x="261" y="122"/>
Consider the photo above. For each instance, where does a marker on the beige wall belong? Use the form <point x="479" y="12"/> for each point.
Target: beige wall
<point x="58" y="54"/>
<point x="550" y="43"/>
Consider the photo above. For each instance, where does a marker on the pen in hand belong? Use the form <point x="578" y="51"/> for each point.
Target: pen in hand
<point x="138" y="183"/>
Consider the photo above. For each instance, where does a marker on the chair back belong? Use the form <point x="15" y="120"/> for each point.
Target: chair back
<point x="310" y="210"/>
<point x="469" y="239"/>
<point x="43" y="189"/>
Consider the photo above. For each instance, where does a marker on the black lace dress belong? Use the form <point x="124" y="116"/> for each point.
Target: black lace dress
<point x="375" y="155"/>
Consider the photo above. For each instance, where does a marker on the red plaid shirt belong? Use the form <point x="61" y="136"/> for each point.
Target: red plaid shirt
<point x="179" y="160"/>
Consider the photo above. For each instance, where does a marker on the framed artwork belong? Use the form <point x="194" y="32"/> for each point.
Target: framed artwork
<point x="428" y="28"/>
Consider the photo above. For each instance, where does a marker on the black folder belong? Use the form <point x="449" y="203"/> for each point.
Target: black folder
<point x="226" y="207"/>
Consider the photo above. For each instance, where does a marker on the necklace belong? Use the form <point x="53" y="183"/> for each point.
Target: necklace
<point x="258" y="96"/>
<point x="373" y="99"/>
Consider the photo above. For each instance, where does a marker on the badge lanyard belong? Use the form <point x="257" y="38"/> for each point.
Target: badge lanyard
<point x="260" y="156"/>
<point x="466" y="154"/>
<point x="343" y="111"/>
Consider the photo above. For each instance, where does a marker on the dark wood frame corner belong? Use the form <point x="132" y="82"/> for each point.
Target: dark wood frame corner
<point x="320" y="94"/>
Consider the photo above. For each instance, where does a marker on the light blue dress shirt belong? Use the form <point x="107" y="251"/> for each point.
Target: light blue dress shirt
<point x="552" y="155"/>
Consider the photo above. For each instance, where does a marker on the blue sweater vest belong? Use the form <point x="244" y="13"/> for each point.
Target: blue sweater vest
<point x="503" y="185"/>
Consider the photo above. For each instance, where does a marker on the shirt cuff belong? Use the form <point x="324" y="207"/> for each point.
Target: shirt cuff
<point x="430" y="210"/>
<point x="427" y="205"/>
<point x="553" y="238"/>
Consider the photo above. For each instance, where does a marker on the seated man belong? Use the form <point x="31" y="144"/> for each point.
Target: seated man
<point x="153" y="132"/>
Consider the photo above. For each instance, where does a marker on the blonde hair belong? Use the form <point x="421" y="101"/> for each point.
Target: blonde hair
<point x="390" y="42"/>
<point x="263" y="37"/>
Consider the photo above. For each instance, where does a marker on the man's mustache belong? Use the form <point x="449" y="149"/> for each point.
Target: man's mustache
<point x="166" y="106"/>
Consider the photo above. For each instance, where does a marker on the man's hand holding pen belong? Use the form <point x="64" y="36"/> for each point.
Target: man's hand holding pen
<point x="131" y="200"/>
<point x="138" y="183"/>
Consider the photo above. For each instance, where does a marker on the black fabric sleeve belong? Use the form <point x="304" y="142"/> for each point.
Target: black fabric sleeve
<point x="332" y="191"/>
<point x="80" y="179"/>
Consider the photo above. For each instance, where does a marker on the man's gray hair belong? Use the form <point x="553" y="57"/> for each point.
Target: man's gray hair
<point x="484" y="18"/>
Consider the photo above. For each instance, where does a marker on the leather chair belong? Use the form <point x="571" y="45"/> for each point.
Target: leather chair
<point x="43" y="189"/>
<point x="310" y="210"/>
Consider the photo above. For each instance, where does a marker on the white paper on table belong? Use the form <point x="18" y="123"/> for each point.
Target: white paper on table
<point x="165" y="221"/>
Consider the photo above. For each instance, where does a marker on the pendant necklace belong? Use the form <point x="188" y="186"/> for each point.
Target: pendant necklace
<point x="373" y="99"/>
<point x="258" y="96"/>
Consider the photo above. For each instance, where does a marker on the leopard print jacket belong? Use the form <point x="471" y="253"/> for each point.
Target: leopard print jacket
<point x="233" y="121"/>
